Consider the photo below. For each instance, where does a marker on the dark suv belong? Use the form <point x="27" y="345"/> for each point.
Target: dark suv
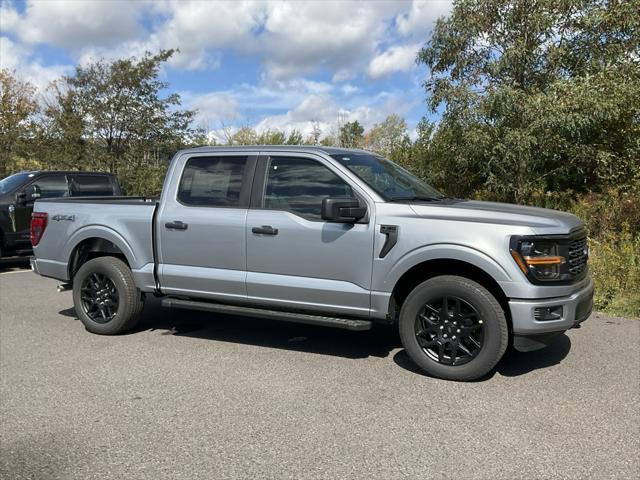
<point x="18" y="192"/>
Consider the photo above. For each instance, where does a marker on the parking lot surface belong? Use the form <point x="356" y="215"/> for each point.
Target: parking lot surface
<point x="193" y="395"/>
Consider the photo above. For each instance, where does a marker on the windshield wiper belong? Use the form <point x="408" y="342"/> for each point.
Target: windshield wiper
<point x="415" y="198"/>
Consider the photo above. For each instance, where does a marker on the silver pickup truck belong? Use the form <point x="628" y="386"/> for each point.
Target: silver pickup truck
<point x="324" y="236"/>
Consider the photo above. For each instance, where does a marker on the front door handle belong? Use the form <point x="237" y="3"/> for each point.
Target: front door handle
<point x="177" y="225"/>
<point x="265" y="230"/>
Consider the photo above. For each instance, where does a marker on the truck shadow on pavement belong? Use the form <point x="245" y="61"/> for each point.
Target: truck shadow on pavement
<point x="378" y="342"/>
<point x="513" y="363"/>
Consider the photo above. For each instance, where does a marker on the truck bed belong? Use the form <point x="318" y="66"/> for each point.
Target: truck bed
<point x="126" y="222"/>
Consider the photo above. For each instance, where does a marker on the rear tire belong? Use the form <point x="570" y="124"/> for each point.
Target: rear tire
<point x="453" y="328"/>
<point x="105" y="296"/>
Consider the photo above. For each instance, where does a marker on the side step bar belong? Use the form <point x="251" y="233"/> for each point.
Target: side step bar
<point x="344" y="323"/>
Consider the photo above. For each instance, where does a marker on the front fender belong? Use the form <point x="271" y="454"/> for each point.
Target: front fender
<point x="443" y="251"/>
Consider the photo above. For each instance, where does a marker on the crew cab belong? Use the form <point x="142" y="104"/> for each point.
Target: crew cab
<point x="18" y="193"/>
<point x="325" y="236"/>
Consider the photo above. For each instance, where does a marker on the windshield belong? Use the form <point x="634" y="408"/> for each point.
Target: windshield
<point x="13" y="181"/>
<point x="389" y="180"/>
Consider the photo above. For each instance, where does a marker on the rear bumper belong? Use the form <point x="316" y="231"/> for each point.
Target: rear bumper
<point x="49" y="268"/>
<point x="576" y="308"/>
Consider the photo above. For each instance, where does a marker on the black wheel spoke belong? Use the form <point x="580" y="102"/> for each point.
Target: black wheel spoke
<point x="444" y="311"/>
<point x="454" y="350"/>
<point x="456" y="311"/>
<point x="464" y="349"/>
<point x="432" y="309"/>
<point x="99" y="297"/>
<point x="474" y="341"/>
<point x="449" y="330"/>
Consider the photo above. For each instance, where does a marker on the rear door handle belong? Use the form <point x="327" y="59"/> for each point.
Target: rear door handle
<point x="177" y="225"/>
<point x="265" y="230"/>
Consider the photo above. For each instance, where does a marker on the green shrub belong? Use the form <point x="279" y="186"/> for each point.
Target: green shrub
<point x="613" y="219"/>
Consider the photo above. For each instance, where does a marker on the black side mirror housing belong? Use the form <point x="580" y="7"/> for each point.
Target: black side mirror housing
<point x="342" y="210"/>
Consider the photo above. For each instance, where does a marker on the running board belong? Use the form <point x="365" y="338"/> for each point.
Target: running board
<point x="344" y="323"/>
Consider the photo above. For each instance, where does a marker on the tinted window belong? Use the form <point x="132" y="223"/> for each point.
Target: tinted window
<point x="52" y="186"/>
<point x="91" y="185"/>
<point x="212" y="181"/>
<point x="9" y="183"/>
<point x="300" y="184"/>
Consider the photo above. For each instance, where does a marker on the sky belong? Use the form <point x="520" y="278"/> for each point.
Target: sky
<point x="281" y="65"/>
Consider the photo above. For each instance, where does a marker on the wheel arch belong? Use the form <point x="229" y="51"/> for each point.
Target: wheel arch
<point x="434" y="267"/>
<point x="93" y="244"/>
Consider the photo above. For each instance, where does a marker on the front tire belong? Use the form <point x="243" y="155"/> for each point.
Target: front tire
<point x="105" y="296"/>
<point x="453" y="328"/>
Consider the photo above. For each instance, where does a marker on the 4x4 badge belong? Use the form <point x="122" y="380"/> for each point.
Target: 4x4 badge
<point x="64" y="218"/>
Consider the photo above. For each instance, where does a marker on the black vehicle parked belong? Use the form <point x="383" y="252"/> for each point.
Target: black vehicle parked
<point x="18" y="192"/>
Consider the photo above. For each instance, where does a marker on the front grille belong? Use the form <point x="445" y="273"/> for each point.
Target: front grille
<point x="578" y="255"/>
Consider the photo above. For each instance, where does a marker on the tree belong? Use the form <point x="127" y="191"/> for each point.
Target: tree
<point x="295" y="137"/>
<point x="316" y="132"/>
<point x="18" y="110"/>
<point x="389" y="137"/>
<point x="271" y="137"/>
<point x="122" y="112"/>
<point x="536" y="96"/>
<point x="351" y="134"/>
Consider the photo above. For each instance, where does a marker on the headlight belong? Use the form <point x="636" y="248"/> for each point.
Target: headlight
<point x="544" y="259"/>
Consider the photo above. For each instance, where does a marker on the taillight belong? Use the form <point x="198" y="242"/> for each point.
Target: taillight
<point x="38" y="224"/>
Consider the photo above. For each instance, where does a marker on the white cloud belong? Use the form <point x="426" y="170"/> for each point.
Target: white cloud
<point x="423" y="14"/>
<point x="395" y="59"/>
<point x="17" y="57"/>
<point x="327" y="111"/>
<point x="349" y="89"/>
<point x="213" y="108"/>
<point x="197" y="27"/>
<point x="67" y="23"/>
<point x="9" y="17"/>
<point x="303" y="37"/>
<point x="290" y="39"/>
<point x="245" y="103"/>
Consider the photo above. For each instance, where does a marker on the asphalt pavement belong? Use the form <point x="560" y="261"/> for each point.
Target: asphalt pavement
<point x="191" y="395"/>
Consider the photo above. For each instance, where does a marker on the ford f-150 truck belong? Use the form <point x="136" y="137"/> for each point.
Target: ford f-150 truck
<point x="325" y="236"/>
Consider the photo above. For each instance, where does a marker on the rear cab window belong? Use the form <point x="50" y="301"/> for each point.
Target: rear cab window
<point x="91" y="185"/>
<point x="52" y="186"/>
<point x="213" y="182"/>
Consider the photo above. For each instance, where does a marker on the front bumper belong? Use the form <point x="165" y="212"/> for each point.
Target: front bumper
<point x="576" y="308"/>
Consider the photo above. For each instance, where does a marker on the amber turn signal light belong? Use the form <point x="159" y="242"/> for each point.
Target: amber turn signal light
<point x="544" y="260"/>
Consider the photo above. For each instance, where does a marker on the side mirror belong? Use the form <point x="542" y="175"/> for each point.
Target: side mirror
<point x="33" y="192"/>
<point x="21" y="198"/>
<point x="342" y="210"/>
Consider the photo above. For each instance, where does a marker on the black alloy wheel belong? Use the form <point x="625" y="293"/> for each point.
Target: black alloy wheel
<point x="453" y="327"/>
<point x="99" y="297"/>
<point x="105" y="296"/>
<point x="450" y="330"/>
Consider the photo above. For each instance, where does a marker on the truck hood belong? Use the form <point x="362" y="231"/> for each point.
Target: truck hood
<point x="540" y="220"/>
